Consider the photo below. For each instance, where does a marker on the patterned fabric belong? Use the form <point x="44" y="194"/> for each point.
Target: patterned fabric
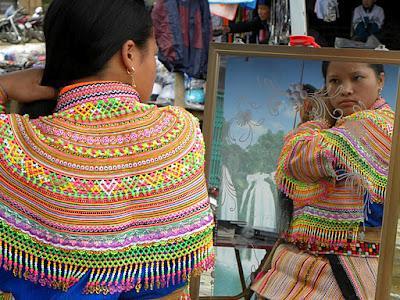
<point x="297" y="275"/>
<point x="362" y="273"/>
<point x="106" y="187"/>
<point x="337" y="180"/>
<point x="6" y="296"/>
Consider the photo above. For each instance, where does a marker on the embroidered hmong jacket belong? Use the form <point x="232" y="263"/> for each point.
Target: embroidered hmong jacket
<point x="337" y="180"/>
<point x="105" y="186"/>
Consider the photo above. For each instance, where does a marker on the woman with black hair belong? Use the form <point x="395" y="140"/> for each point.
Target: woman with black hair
<point x="258" y="27"/>
<point x="106" y="197"/>
<point x="334" y="169"/>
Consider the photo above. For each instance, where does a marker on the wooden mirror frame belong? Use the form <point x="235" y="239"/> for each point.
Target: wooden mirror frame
<point x="392" y="200"/>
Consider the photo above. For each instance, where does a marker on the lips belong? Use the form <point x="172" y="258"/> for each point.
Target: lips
<point x="348" y="102"/>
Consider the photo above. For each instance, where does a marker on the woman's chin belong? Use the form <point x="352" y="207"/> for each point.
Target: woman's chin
<point x="349" y="111"/>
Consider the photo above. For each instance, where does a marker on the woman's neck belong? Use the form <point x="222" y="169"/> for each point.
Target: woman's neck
<point x="108" y="74"/>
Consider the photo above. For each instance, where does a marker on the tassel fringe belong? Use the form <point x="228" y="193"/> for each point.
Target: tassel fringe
<point x="118" y="277"/>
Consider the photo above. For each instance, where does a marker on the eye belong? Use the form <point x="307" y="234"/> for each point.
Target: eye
<point x="333" y="81"/>
<point x="358" y="77"/>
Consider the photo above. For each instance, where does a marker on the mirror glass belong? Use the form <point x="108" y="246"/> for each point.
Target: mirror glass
<point x="258" y="102"/>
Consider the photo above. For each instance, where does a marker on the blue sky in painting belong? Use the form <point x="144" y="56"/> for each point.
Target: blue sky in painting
<point x="258" y="86"/>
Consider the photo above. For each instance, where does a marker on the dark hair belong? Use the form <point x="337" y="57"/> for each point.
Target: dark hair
<point x="284" y="214"/>
<point x="264" y="2"/>
<point x="310" y="89"/>
<point x="37" y="108"/>
<point x="82" y="36"/>
<point x="378" y="68"/>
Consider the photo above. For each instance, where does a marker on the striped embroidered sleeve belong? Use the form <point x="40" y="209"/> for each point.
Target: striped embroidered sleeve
<point x="359" y="145"/>
<point x="308" y="160"/>
<point x="304" y="162"/>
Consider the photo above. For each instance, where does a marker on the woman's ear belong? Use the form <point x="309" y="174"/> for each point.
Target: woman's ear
<point x="129" y="53"/>
<point x="381" y="80"/>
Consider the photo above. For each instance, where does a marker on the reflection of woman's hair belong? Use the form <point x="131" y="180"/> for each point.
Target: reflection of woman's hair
<point x="310" y="89"/>
<point x="378" y="68"/>
<point x="82" y="36"/>
<point x="284" y="212"/>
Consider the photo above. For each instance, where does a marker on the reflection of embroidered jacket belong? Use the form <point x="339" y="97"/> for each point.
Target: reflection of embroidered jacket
<point x="106" y="186"/>
<point x="337" y="178"/>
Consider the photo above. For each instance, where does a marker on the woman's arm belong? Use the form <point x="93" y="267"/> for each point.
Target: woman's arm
<point x="358" y="146"/>
<point x="305" y="164"/>
<point x="24" y="86"/>
<point x="380" y="17"/>
<point x="357" y="16"/>
<point x="304" y="156"/>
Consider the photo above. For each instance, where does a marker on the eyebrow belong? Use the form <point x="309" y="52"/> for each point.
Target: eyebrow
<point x="352" y="73"/>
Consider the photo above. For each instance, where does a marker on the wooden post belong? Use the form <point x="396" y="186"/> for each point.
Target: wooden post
<point x="195" y="286"/>
<point x="179" y="89"/>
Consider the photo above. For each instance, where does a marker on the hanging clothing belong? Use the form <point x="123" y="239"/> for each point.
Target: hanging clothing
<point x="327" y="10"/>
<point x="107" y="195"/>
<point x="183" y="32"/>
<point x="336" y="178"/>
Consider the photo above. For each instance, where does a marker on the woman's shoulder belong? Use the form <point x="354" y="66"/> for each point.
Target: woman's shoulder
<point x="378" y="8"/>
<point x="358" y="9"/>
<point x="371" y="114"/>
<point x="5" y="123"/>
<point x="178" y="112"/>
<point x="381" y="118"/>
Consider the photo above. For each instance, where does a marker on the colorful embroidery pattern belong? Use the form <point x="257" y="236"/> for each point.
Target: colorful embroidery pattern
<point x="334" y="176"/>
<point x="106" y="185"/>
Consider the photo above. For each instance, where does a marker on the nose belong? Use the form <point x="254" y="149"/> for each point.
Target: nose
<point x="347" y="88"/>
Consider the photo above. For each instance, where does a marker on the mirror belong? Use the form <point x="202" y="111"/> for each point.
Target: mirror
<point x="254" y="95"/>
<point x="395" y="289"/>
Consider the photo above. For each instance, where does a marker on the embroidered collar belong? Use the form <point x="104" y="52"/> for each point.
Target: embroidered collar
<point x="380" y="103"/>
<point x="78" y="94"/>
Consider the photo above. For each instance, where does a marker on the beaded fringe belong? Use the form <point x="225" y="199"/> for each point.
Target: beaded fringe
<point x="372" y="183"/>
<point x="319" y="236"/>
<point x="307" y="232"/>
<point x="144" y="275"/>
<point x="147" y="275"/>
<point x="37" y="270"/>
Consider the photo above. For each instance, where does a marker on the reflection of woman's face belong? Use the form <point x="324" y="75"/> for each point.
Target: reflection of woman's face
<point x="359" y="85"/>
